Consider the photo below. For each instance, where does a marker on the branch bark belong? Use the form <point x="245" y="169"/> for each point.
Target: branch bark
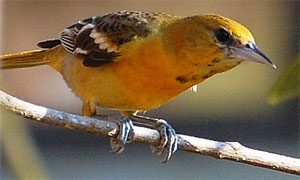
<point x="233" y="151"/>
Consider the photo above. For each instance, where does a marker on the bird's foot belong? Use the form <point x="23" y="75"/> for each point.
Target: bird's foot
<point x="124" y="136"/>
<point x="168" y="140"/>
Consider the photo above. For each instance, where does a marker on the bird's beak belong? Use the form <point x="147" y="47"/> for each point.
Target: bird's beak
<point x="251" y="52"/>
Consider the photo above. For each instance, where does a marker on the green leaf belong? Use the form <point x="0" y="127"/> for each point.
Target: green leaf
<point x="287" y="85"/>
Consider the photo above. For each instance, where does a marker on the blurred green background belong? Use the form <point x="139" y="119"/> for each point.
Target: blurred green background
<point x="228" y="107"/>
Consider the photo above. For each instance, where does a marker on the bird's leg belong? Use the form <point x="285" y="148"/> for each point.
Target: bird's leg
<point x="124" y="136"/>
<point x="168" y="137"/>
<point x="125" y="133"/>
<point x="87" y="109"/>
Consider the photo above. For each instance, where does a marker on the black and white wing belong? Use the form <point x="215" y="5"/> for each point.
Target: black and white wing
<point x="98" y="38"/>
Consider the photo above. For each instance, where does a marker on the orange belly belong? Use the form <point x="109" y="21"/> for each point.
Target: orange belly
<point x="138" y="80"/>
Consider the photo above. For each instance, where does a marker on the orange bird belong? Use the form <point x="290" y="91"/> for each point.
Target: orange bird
<point x="135" y="61"/>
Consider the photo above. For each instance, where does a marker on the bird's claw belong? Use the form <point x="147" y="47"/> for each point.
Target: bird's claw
<point x="168" y="140"/>
<point x="166" y="147"/>
<point x="125" y="135"/>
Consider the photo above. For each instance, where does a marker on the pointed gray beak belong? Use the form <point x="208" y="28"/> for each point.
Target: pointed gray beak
<point x="251" y="52"/>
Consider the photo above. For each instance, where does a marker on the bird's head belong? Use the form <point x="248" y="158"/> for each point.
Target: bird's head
<point x="236" y="41"/>
<point x="212" y="41"/>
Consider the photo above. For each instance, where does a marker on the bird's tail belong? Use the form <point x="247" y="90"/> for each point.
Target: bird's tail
<point x="24" y="59"/>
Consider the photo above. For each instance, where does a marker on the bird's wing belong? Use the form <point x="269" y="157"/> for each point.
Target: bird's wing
<point x="98" y="38"/>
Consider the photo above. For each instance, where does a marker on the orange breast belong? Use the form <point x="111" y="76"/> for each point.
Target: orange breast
<point x="139" y="79"/>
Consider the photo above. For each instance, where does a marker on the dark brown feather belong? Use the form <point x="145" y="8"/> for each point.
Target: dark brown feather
<point x="49" y="43"/>
<point x="98" y="38"/>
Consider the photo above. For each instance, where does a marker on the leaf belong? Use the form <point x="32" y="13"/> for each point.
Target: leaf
<point x="287" y="85"/>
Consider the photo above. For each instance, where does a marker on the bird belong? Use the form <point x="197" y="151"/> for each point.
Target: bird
<point x="132" y="61"/>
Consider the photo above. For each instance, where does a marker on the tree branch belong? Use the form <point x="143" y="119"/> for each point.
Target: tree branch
<point x="233" y="151"/>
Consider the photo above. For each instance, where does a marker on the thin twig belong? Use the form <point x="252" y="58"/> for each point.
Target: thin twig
<point x="233" y="151"/>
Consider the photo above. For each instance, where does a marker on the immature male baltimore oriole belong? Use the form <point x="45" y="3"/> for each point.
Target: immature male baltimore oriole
<point x="135" y="61"/>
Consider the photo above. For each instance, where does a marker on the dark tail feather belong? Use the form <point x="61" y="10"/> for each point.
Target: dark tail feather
<point x="49" y="43"/>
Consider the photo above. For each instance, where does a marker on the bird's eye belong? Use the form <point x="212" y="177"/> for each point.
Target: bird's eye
<point x="222" y="36"/>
